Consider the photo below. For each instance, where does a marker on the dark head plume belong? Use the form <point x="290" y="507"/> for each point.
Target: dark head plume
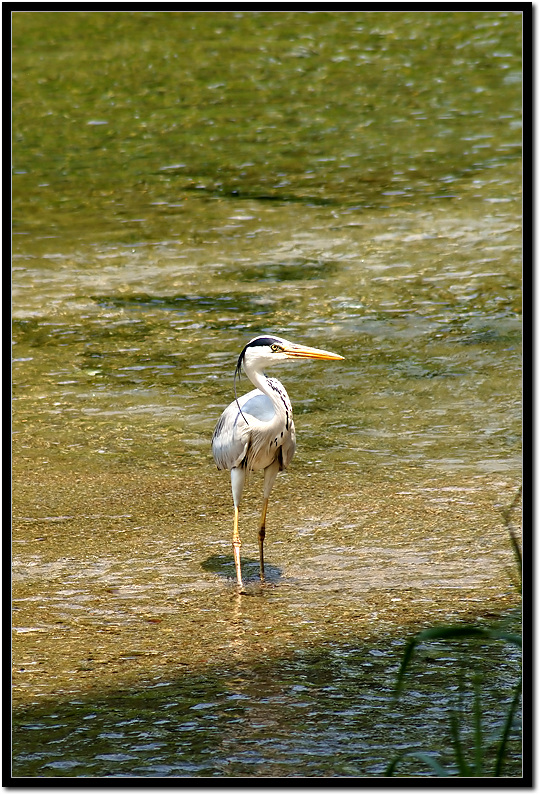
<point x="258" y="341"/>
<point x="253" y="344"/>
<point x="237" y="372"/>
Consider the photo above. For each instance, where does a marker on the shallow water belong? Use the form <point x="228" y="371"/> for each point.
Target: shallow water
<point x="319" y="712"/>
<point x="171" y="202"/>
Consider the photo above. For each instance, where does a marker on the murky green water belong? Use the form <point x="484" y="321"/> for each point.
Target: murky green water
<point x="182" y="182"/>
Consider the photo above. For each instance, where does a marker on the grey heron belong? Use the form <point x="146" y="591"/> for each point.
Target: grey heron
<point x="256" y="431"/>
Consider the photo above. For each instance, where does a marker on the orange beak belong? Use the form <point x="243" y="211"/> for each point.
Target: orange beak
<point x="304" y="352"/>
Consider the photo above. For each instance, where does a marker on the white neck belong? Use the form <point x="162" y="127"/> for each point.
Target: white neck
<point x="279" y="397"/>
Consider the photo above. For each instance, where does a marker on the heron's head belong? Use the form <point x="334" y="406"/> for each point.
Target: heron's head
<point x="265" y="350"/>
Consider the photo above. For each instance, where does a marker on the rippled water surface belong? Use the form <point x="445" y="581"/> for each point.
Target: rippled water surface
<point x="182" y="182"/>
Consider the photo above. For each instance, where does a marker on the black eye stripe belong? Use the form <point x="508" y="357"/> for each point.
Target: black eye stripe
<point x="269" y="341"/>
<point x="263" y="341"/>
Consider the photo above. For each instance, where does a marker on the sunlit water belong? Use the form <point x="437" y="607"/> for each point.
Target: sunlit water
<point x="159" y="226"/>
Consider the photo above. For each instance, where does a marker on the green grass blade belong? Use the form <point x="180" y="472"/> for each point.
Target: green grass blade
<point x="501" y="750"/>
<point x="389" y="772"/>
<point x="507" y="515"/>
<point x="428" y="760"/>
<point x="463" y="767"/>
<point x="449" y="632"/>
<point x="478" y="749"/>
<point x="438" y="769"/>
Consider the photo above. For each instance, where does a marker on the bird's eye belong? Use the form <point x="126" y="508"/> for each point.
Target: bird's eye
<point x="275" y="347"/>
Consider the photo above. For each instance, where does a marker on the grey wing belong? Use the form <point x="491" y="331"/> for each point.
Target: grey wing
<point x="254" y="436"/>
<point x="233" y="434"/>
<point x="230" y="441"/>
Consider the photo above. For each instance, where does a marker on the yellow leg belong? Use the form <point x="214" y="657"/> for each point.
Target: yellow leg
<point x="262" y="533"/>
<point x="236" y="548"/>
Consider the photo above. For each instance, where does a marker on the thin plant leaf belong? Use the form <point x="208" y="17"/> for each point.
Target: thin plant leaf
<point x="438" y="769"/>
<point x="478" y="749"/>
<point x="463" y="767"/>
<point x="507" y="518"/>
<point x="428" y="760"/>
<point x="517" y="554"/>
<point x="501" y="750"/>
<point x="449" y="632"/>
<point x="389" y="772"/>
